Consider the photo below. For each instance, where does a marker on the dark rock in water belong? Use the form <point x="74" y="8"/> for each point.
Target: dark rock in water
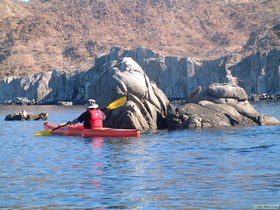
<point x="24" y="115"/>
<point x="221" y="105"/>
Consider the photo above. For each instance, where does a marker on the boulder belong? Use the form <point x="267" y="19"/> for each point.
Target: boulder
<point x="227" y="91"/>
<point x="146" y="108"/>
<point x="220" y="105"/>
<point x="24" y="115"/>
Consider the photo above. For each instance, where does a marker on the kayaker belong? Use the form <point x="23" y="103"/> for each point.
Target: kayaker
<point x="92" y="118"/>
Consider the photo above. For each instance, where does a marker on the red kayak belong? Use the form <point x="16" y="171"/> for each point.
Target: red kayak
<point x="72" y="130"/>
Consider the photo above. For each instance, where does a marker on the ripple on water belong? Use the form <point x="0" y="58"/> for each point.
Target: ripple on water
<point x="212" y="169"/>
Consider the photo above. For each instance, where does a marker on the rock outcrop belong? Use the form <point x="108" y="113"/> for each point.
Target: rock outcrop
<point x="43" y="88"/>
<point x="24" y="115"/>
<point x="147" y="105"/>
<point x="257" y="73"/>
<point x="220" y="105"/>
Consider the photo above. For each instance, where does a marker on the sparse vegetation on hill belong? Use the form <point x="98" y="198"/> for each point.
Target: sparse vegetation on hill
<point x="52" y="34"/>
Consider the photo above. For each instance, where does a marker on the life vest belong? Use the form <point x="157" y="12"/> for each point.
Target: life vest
<point x="96" y="118"/>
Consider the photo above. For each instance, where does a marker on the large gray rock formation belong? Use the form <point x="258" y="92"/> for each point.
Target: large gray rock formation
<point x="46" y="87"/>
<point x="256" y="73"/>
<point x="147" y="104"/>
<point x="113" y="76"/>
<point x="259" y="72"/>
<point x="220" y="105"/>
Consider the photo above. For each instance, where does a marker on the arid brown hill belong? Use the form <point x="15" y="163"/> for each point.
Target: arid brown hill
<point x="55" y="34"/>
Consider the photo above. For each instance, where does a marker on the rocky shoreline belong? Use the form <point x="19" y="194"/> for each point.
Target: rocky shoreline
<point x="177" y="77"/>
<point x="264" y="97"/>
<point x="26" y="102"/>
<point x="22" y="101"/>
<point x="208" y="89"/>
<point x="148" y="108"/>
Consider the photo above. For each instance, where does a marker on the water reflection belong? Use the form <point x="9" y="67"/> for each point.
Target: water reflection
<point x="97" y="143"/>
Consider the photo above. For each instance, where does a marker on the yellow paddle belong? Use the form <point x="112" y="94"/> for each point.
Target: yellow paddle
<point x="115" y="104"/>
<point x="48" y="132"/>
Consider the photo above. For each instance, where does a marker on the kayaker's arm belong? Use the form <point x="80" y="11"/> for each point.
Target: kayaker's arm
<point x="80" y="119"/>
<point x="73" y="122"/>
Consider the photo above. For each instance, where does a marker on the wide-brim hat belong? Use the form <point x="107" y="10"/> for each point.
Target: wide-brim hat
<point x="95" y="106"/>
<point x="92" y="104"/>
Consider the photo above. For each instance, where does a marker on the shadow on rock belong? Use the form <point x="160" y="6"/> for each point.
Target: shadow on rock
<point x="148" y="108"/>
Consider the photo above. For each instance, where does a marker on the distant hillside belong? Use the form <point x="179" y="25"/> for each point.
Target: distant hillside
<point x="53" y="34"/>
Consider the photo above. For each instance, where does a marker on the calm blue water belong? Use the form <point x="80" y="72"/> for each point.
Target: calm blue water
<point x="211" y="169"/>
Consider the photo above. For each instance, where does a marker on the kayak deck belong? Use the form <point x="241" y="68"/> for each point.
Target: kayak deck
<point x="73" y="130"/>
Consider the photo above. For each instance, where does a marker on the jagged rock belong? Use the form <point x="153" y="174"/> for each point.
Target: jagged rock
<point x="221" y="105"/>
<point x="43" y="88"/>
<point x="177" y="77"/>
<point x="24" y="115"/>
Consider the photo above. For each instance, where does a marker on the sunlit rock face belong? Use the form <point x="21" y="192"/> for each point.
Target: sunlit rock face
<point x="257" y="73"/>
<point x="146" y="107"/>
<point x="148" y="79"/>
<point x="220" y="105"/>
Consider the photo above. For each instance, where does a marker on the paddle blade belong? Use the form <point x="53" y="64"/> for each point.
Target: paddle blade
<point x="43" y="133"/>
<point x="117" y="103"/>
